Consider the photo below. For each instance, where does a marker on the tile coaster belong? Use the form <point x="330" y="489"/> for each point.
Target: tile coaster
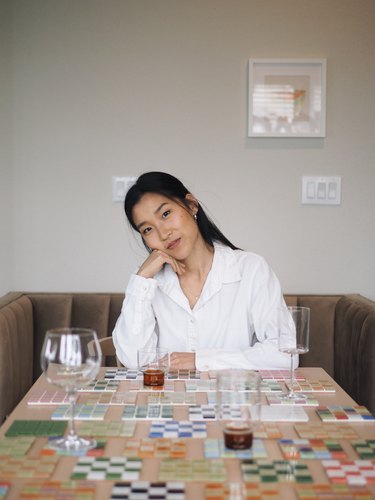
<point x="16" y="446"/>
<point x="178" y="429"/>
<point x="4" y="488"/>
<point x="111" y="398"/>
<point x="267" y="431"/>
<point x="48" y="398"/>
<point x="36" y="428"/>
<point x="311" y="449"/>
<point x="271" y="471"/>
<point x="101" y="386"/>
<point x="137" y="385"/>
<point x="147" y="412"/>
<point x="172" y="398"/>
<point x="316" y="386"/>
<point x="309" y="400"/>
<point x="280" y="375"/>
<point x="207" y="412"/>
<point x="59" y="490"/>
<point x="365" y="448"/>
<point x="144" y="490"/>
<point x="122" y="374"/>
<point x="27" y="467"/>
<point x="200" y="385"/>
<point x="335" y="413"/>
<point x="215" y="448"/>
<point x="231" y="491"/>
<point x="107" y="468"/>
<point x="106" y="429"/>
<point x="81" y="412"/>
<point x="155" y="448"/>
<point x="325" y="431"/>
<point x="98" y="451"/>
<point x="332" y="492"/>
<point x="192" y="470"/>
<point x="352" y="472"/>
<point x="183" y="374"/>
<point x="281" y="414"/>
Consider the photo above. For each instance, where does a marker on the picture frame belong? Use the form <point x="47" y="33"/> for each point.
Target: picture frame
<point x="287" y="98"/>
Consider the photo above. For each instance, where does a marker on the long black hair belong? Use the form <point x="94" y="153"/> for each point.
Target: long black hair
<point x="172" y="188"/>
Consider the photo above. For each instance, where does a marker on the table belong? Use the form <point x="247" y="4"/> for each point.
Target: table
<point x="194" y="447"/>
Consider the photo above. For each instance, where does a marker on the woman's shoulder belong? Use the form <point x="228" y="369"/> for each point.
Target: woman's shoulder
<point x="242" y="259"/>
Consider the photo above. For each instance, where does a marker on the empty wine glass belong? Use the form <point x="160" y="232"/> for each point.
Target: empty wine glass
<point x="294" y="329"/>
<point x="70" y="359"/>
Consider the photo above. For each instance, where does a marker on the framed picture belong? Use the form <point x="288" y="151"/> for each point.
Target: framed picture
<point x="287" y="98"/>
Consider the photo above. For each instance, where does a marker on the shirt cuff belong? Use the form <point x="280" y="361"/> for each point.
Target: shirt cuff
<point x="205" y="359"/>
<point x="143" y="288"/>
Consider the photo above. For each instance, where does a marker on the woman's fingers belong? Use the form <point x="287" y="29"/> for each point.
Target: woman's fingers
<point x="155" y="262"/>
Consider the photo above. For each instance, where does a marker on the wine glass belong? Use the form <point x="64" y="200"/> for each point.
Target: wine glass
<point x="294" y="329"/>
<point x="71" y="358"/>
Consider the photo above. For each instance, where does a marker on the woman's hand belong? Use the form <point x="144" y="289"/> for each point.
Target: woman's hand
<point x="182" y="360"/>
<point x="155" y="262"/>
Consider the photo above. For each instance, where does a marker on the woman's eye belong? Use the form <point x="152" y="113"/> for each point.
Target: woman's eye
<point x="166" y="213"/>
<point x="146" y="230"/>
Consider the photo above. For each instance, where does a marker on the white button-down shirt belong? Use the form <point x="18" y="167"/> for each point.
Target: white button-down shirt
<point x="234" y="323"/>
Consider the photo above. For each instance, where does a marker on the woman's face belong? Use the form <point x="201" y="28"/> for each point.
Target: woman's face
<point x="166" y="225"/>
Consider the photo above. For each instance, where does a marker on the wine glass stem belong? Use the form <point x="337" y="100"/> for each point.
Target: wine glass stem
<point x="72" y="430"/>
<point x="291" y="392"/>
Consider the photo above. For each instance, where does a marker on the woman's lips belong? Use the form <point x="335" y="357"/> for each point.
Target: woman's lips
<point x="173" y="244"/>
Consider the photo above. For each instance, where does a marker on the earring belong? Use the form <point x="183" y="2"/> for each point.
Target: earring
<point x="195" y="216"/>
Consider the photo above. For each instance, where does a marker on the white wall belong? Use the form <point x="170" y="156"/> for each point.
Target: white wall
<point x="111" y="87"/>
<point x="6" y="184"/>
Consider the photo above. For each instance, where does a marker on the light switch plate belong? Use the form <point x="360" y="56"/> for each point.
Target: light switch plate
<point x="120" y="186"/>
<point x="318" y="190"/>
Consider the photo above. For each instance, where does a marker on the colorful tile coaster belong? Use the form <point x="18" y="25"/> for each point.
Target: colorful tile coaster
<point x="81" y="412"/>
<point x="58" y="490"/>
<point x="172" y="398"/>
<point x="107" y="468"/>
<point x="316" y="386"/>
<point x="122" y="374"/>
<point x="332" y="492"/>
<point x="352" y="472"/>
<point x="36" y="428"/>
<point x="311" y="449"/>
<point x="16" y="446"/>
<point x="178" y="429"/>
<point x="365" y="448"/>
<point x="192" y="470"/>
<point x="137" y="385"/>
<point x="4" y="488"/>
<point x="215" y="448"/>
<point x="98" y="451"/>
<point x="202" y="385"/>
<point x="271" y="471"/>
<point x="101" y="386"/>
<point x="155" y="448"/>
<point x="183" y="374"/>
<point x="267" y="431"/>
<point x="144" y="490"/>
<point x="27" y="467"/>
<point x="106" y="429"/>
<point x="147" y="412"/>
<point x="325" y="431"/>
<point x="110" y="398"/>
<point x="48" y="398"/>
<point x="231" y="491"/>
<point x="207" y="412"/>
<point x="280" y="375"/>
<point x="309" y="400"/>
<point x="280" y="414"/>
<point x="344" y="414"/>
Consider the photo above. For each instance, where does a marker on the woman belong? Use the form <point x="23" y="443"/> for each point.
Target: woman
<point x="212" y="305"/>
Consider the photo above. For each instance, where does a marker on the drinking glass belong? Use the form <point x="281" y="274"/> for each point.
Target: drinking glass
<point x="153" y="363"/>
<point x="238" y="406"/>
<point x="70" y="359"/>
<point x="294" y="329"/>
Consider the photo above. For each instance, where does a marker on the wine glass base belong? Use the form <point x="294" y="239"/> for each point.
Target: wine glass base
<point x="292" y="396"/>
<point x="72" y="444"/>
